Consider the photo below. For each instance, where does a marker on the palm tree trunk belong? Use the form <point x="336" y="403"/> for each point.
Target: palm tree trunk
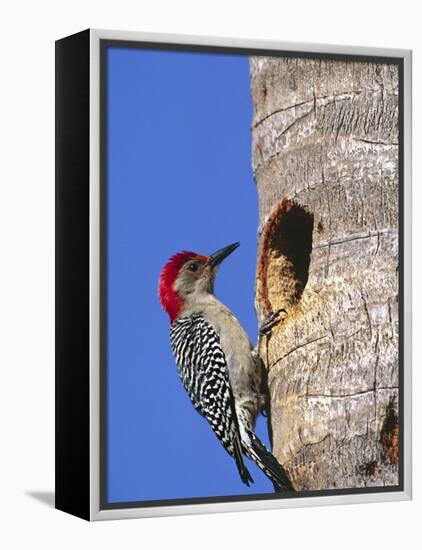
<point x="325" y="159"/>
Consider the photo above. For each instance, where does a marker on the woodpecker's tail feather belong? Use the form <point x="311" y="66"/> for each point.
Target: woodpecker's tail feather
<point x="268" y="464"/>
<point x="243" y="471"/>
<point x="245" y="475"/>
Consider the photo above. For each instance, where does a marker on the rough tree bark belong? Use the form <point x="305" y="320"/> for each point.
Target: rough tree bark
<point x="325" y="139"/>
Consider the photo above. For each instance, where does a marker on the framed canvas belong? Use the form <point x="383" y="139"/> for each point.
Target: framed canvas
<point x="195" y="375"/>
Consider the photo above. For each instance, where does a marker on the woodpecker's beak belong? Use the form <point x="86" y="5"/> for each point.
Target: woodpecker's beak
<point x="219" y="256"/>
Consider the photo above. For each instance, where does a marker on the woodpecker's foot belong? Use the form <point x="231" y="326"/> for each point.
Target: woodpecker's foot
<point x="270" y="321"/>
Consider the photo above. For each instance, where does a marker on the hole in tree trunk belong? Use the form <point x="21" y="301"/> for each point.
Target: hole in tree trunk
<point x="285" y="256"/>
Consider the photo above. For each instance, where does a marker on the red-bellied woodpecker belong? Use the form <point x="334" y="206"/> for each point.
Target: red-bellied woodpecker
<point x="216" y="361"/>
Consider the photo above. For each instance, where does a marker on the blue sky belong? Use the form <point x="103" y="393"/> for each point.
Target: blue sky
<point x="178" y="177"/>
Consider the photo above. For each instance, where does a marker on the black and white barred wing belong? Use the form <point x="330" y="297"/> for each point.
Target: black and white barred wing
<point x="203" y="370"/>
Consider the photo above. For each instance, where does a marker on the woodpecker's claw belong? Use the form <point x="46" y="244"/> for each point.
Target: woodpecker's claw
<point x="270" y="321"/>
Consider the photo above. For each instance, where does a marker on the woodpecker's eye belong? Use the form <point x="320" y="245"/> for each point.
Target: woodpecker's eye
<point x="193" y="267"/>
